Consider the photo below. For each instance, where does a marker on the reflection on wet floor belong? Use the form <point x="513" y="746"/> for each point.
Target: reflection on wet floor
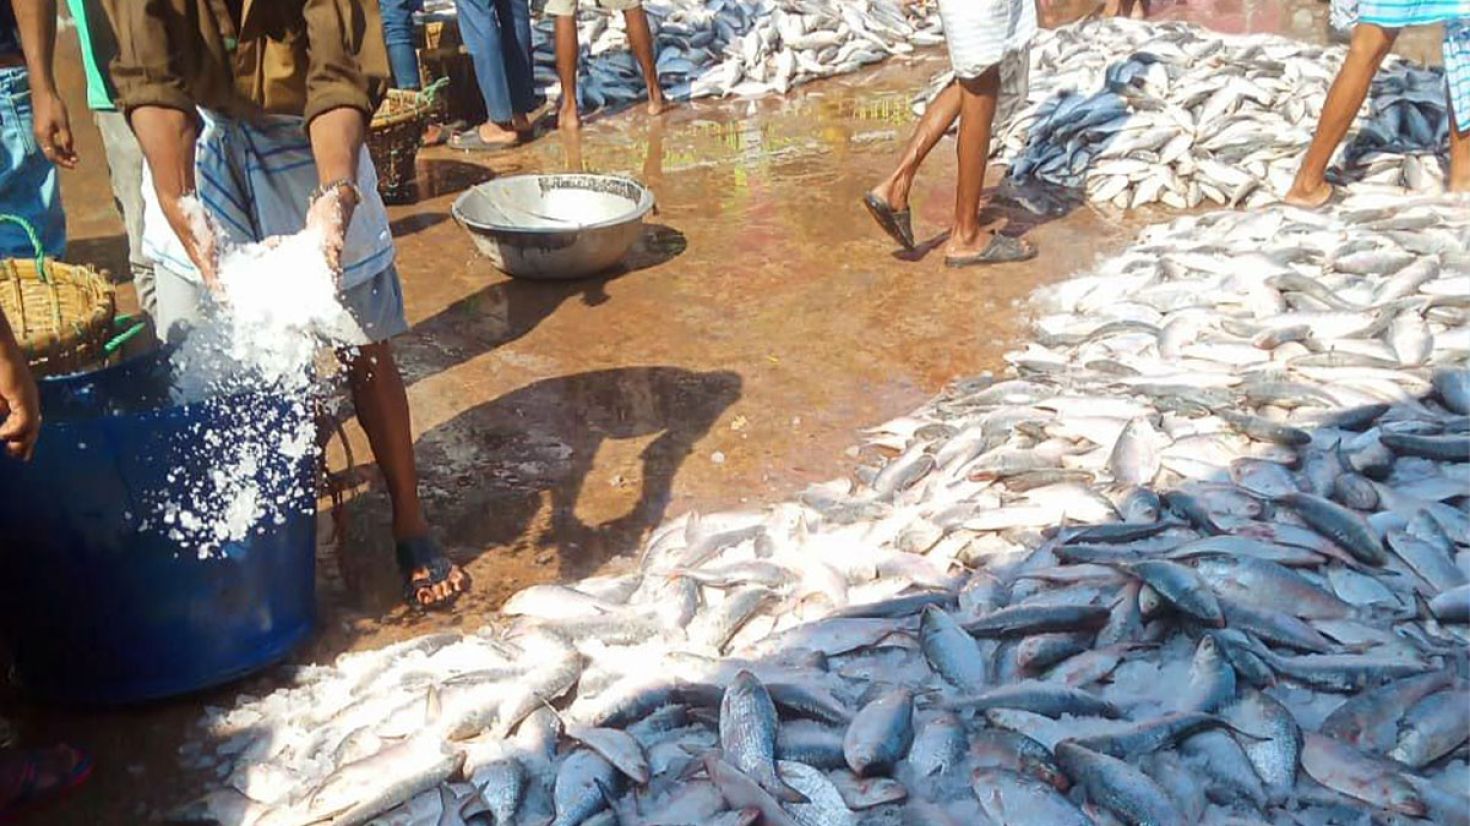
<point x="761" y="320"/>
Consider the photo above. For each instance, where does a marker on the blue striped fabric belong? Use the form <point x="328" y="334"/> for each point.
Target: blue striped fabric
<point x="1395" y="14"/>
<point x="1457" y="71"/>
<point x="255" y="180"/>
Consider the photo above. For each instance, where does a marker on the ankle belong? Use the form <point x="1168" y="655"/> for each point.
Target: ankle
<point x="409" y="526"/>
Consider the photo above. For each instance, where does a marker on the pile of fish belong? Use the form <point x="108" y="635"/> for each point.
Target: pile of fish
<point x="723" y="48"/>
<point x="1139" y="113"/>
<point x="1202" y="559"/>
<point x="745" y="48"/>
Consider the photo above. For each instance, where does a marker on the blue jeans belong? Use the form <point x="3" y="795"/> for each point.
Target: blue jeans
<point x="498" y="35"/>
<point x="28" y="186"/>
<point x="398" y="36"/>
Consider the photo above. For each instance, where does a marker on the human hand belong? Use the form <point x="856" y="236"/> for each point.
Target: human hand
<point x="329" y="215"/>
<point x="53" y="129"/>
<point x="20" y="404"/>
<point x="196" y="229"/>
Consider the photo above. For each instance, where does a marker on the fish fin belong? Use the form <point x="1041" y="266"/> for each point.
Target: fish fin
<point x="700" y="761"/>
<point x="787" y="794"/>
<point x="610" y="799"/>
<point x="691" y="528"/>
<point x="562" y="721"/>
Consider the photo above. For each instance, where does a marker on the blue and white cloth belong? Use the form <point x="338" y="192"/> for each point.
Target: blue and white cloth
<point x="1396" y="14"/>
<point x="28" y="185"/>
<point x="1457" y="70"/>
<point x="255" y="179"/>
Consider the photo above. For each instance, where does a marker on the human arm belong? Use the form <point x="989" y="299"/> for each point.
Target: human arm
<point x="36" y="20"/>
<point x="152" y="41"/>
<point x="167" y="137"/>
<point x="336" y="141"/>
<point x="20" y="406"/>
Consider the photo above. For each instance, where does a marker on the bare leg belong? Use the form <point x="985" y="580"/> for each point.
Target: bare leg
<point x="382" y="409"/>
<point x="1459" y="156"/>
<point x="566" y="71"/>
<point x="977" y="111"/>
<point x="1369" y="46"/>
<point x="1138" y="10"/>
<point x="941" y="114"/>
<point x="640" y="41"/>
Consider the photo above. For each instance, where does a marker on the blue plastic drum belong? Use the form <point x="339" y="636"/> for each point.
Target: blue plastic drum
<point x="100" y="606"/>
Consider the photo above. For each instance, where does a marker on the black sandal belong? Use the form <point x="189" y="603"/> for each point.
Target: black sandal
<point x="470" y="141"/>
<point x="1002" y="249"/>
<point x="423" y="552"/>
<point x="898" y="223"/>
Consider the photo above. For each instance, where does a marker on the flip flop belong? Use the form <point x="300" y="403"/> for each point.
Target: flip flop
<point x="423" y="552"/>
<point x="470" y="141"/>
<point x="1002" y="249"/>
<point x="896" y="222"/>
<point x="28" y="791"/>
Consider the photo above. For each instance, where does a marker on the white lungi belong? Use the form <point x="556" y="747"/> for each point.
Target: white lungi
<point x="985" y="33"/>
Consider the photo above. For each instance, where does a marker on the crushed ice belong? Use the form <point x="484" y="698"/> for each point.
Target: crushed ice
<point x="251" y="372"/>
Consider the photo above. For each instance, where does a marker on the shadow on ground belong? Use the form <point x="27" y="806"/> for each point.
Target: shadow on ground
<point x="508" y="475"/>
<point x="510" y="308"/>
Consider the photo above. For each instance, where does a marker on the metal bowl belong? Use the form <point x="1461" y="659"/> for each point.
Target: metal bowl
<point x="554" y="226"/>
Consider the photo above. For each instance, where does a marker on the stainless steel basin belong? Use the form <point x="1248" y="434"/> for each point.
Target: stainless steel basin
<point x="554" y="226"/>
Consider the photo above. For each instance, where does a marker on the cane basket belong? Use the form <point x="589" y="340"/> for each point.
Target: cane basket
<point x="393" y="142"/>
<point x="62" y="314"/>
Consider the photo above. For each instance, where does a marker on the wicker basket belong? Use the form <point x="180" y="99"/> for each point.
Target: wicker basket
<point x="393" y="142"/>
<point x="62" y="314"/>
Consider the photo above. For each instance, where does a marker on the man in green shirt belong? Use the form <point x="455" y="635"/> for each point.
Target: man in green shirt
<point x="124" y="157"/>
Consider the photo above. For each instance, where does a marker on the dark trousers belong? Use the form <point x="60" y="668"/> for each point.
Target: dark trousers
<point x="498" y="36"/>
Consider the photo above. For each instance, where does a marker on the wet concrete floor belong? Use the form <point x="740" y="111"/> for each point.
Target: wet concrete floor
<point x="759" y="323"/>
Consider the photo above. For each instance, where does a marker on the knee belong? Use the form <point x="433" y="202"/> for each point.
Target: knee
<point x="1371" y="42"/>
<point x="985" y="83"/>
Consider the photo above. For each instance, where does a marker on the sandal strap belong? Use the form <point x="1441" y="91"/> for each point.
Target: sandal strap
<point x="417" y="552"/>
<point x="435" y="572"/>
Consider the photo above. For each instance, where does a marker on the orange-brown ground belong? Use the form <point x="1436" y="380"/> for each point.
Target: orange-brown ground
<point x="760" y="323"/>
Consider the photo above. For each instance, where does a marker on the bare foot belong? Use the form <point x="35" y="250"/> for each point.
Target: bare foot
<point x="491" y="132"/>
<point x="1310" y="198"/>
<point x="439" y="594"/>
<point x="960" y="246"/>
<point x="435" y="134"/>
<point x="892" y="193"/>
<point x="567" y="117"/>
<point x="658" y="105"/>
<point x="487" y="136"/>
